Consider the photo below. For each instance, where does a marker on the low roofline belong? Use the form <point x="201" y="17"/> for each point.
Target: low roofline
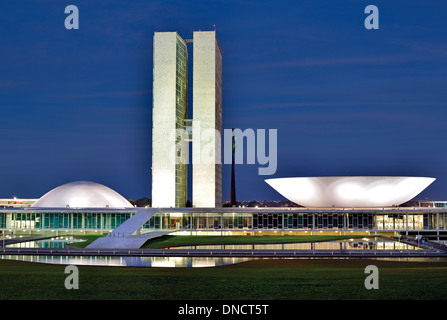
<point x="232" y="210"/>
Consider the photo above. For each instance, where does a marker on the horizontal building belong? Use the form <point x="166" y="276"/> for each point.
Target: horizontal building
<point x="431" y="222"/>
<point x="17" y="203"/>
<point x="91" y="208"/>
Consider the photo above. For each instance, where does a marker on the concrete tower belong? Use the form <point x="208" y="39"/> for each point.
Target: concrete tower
<point x="170" y="142"/>
<point x="207" y="120"/>
<point x="170" y="87"/>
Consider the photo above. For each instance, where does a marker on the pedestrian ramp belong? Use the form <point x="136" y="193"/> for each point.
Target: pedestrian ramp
<point x="123" y="236"/>
<point x="130" y="242"/>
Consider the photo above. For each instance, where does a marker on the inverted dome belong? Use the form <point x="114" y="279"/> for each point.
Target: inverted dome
<point x="348" y="192"/>
<point x="82" y="194"/>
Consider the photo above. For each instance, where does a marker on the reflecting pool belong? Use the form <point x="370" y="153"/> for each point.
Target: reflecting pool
<point x="51" y="243"/>
<point x="193" y="262"/>
<point x="167" y="262"/>
<point x="346" y="245"/>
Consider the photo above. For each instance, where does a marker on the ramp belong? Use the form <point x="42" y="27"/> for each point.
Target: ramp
<point x="121" y="237"/>
<point x="132" y="242"/>
<point x="131" y="225"/>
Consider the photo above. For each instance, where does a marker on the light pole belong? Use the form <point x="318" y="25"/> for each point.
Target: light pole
<point x="4" y="225"/>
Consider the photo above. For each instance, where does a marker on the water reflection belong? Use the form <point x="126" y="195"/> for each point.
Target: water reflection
<point x="175" y="262"/>
<point x="350" y="244"/>
<point x="62" y="242"/>
<point x="165" y="262"/>
<point x="379" y="244"/>
<point x="52" y="243"/>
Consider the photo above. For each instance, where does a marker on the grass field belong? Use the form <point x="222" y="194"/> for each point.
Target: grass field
<point x="88" y="239"/>
<point x="260" y="279"/>
<point x="173" y="241"/>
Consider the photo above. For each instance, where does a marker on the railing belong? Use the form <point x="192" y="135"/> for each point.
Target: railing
<point x="223" y="253"/>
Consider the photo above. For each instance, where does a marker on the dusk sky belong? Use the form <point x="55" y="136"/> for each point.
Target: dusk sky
<point x="77" y="104"/>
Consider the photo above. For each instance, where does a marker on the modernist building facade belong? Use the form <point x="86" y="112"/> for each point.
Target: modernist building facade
<point x="431" y="222"/>
<point x="91" y="208"/>
<point x="334" y="204"/>
<point x="170" y="147"/>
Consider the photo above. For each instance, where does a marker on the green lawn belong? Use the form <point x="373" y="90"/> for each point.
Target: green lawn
<point x="175" y="241"/>
<point x="89" y="239"/>
<point x="260" y="279"/>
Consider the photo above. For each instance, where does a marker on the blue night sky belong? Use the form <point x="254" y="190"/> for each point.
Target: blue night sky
<point x="76" y="104"/>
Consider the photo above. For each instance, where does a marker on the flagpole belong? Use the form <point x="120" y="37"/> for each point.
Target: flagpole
<point x="233" y="178"/>
<point x="4" y="225"/>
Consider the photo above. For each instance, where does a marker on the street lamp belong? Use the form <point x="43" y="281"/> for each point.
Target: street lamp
<point x="4" y="225"/>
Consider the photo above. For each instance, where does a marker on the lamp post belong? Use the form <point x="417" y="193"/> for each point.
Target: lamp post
<point x="4" y="225"/>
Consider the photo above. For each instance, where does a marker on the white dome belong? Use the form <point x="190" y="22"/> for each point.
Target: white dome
<point x="348" y="192"/>
<point x="82" y="194"/>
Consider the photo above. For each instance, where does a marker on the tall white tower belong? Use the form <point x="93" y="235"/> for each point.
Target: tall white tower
<point x="170" y="85"/>
<point x="169" y="111"/>
<point x="207" y="114"/>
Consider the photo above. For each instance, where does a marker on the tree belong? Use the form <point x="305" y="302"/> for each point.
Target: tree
<point x="144" y="202"/>
<point x="253" y="203"/>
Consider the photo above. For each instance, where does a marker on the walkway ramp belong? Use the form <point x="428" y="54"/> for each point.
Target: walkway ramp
<point x="131" y="225"/>
<point x="131" y="242"/>
<point x="121" y="237"/>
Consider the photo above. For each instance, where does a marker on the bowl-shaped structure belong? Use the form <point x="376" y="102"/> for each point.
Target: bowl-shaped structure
<point x="348" y="192"/>
<point x="82" y="194"/>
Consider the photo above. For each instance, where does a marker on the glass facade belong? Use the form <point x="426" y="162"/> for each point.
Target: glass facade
<point x="331" y="221"/>
<point x="89" y="221"/>
<point x="181" y="95"/>
<point x="29" y="221"/>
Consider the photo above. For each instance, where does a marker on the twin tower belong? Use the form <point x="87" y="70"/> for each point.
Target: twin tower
<point x="170" y="118"/>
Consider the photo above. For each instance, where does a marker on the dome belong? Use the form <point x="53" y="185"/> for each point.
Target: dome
<point x="82" y="194"/>
<point x="349" y="192"/>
